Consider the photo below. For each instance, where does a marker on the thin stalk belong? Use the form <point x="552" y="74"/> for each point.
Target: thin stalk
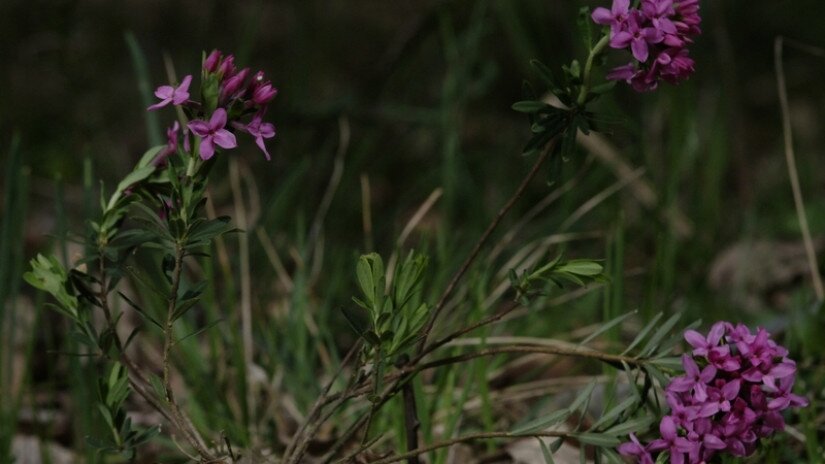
<point x="793" y="173"/>
<point x="464" y="439"/>
<point x="442" y="301"/>
<point x="168" y="338"/>
<point x="300" y="440"/>
<point x="588" y="67"/>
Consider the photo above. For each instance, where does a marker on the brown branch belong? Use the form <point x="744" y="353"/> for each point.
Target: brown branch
<point x="451" y="286"/>
<point x="411" y="422"/>
<point x="464" y="439"/>
<point x="458" y="333"/>
<point x="183" y="423"/>
<point x="138" y="379"/>
<point x="300" y="440"/>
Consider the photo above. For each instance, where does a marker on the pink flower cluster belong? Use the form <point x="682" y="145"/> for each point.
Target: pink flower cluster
<point x="657" y="33"/>
<point x="735" y="387"/>
<point x="237" y="95"/>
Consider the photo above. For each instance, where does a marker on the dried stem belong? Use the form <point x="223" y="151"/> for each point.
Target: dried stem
<point x="139" y="381"/>
<point x="793" y="173"/>
<point x="183" y="423"/>
<point x="303" y="435"/>
<point x="451" y="286"/>
<point x="464" y="439"/>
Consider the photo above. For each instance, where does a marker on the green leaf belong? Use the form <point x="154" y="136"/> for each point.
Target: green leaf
<point x="614" y="413"/>
<point x="544" y="422"/>
<point x="585" y="24"/>
<point x="157" y="386"/>
<point x="201" y="330"/>
<point x="544" y="73"/>
<point x="673" y="363"/>
<point x="582" y="267"/>
<point x="643" y="333"/>
<point x="48" y="274"/>
<point x="605" y="327"/>
<point x="140" y="311"/>
<point x="639" y="424"/>
<point x="529" y="106"/>
<point x="150" y="155"/>
<point x="548" y="456"/>
<point x="370" y="274"/>
<point x="597" y="439"/>
<point x="653" y="343"/>
<point x="584" y="396"/>
<point x="132" y="178"/>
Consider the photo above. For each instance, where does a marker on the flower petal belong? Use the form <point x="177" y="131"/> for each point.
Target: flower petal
<point x="199" y="128"/>
<point x="164" y="91"/>
<point x="260" y="141"/>
<point x="668" y="428"/>
<point x="225" y="139"/>
<point x="158" y="105"/>
<point x="207" y="150"/>
<point x="218" y="119"/>
<point x="602" y="16"/>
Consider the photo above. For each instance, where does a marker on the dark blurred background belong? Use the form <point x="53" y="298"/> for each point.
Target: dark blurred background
<point x="425" y="88"/>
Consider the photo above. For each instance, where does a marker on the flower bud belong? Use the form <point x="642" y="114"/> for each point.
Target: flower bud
<point x="210" y="64"/>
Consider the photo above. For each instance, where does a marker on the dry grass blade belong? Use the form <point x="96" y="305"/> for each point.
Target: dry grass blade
<point x="793" y="173"/>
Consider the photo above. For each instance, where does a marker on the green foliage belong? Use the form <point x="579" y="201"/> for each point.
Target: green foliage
<point x="124" y="439"/>
<point x="558" y="271"/>
<point x="396" y="314"/>
<point x="48" y="275"/>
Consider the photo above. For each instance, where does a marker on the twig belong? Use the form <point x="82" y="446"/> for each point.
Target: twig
<point x="548" y="149"/>
<point x="790" y="157"/>
<point x="489" y="320"/>
<point x="466" y="438"/>
<point x="411" y="422"/>
<point x="300" y="440"/>
<point x="183" y="423"/>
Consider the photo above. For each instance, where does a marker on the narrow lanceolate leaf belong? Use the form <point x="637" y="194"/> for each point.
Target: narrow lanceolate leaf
<point x="548" y="456"/>
<point x="544" y="422"/>
<point x="584" y="397"/>
<point x="657" y="337"/>
<point x="605" y="327"/>
<point x="529" y="106"/>
<point x="650" y="325"/>
<point x="673" y="363"/>
<point x="667" y="346"/>
<point x="597" y="439"/>
<point x="639" y="424"/>
<point x="613" y="414"/>
<point x="132" y="178"/>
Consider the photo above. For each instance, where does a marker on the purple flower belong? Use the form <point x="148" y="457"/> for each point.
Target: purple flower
<point x="213" y="133"/>
<point x="171" y="145"/>
<point x="671" y="441"/>
<point x="732" y="401"/>
<point x="260" y="130"/>
<point x="635" y="449"/>
<point x="693" y="380"/>
<point x="614" y="17"/>
<point x="784" y="398"/>
<point x="227" y="67"/>
<point x="703" y="345"/>
<point x="174" y="95"/>
<point x="655" y="28"/>
<point x="659" y="13"/>
<point x="210" y="64"/>
<point x="637" y="36"/>
<point x="720" y="398"/>
<point x="232" y="86"/>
